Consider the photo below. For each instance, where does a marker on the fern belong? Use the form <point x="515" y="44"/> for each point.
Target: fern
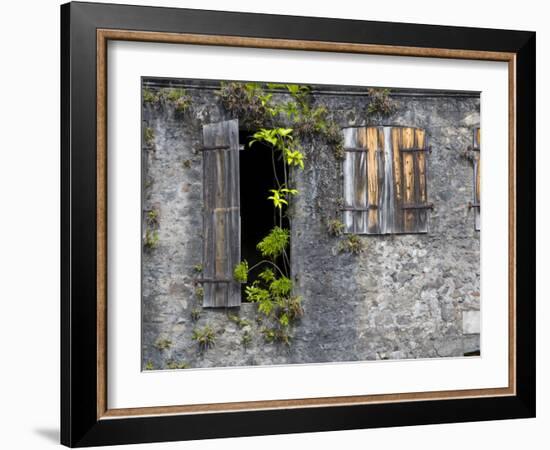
<point x="274" y="243"/>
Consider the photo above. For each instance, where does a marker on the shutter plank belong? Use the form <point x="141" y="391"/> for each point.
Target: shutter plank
<point x="420" y="174"/>
<point x="409" y="222"/>
<point x="370" y="142"/>
<point x="350" y="140"/>
<point x="221" y="247"/>
<point x="398" y="224"/>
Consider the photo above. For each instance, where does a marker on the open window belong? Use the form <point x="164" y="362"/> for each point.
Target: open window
<point x="385" y="181"/>
<point x="221" y="214"/>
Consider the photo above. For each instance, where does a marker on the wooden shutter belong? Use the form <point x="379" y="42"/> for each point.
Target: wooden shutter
<point x="362" y="179"/>
<point x="221" y="220"/>
<point x="385" y="180"/>
<point x="410" y="167"/>
<point x="477" y="185"/>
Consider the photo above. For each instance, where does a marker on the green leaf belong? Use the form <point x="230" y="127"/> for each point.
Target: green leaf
<point x="240" y="273"/>
<point x="274" y="243"/>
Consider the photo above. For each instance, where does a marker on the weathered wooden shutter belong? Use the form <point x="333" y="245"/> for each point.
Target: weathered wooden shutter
<point x="410" y="168"/>
<point x="221" y="219"/>
<point x="385" y="180"/>
<point x="361" y="180"/>
<point x="477" y="169"/>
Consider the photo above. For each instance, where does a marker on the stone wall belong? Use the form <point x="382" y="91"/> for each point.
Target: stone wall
<point x="405" y="296"/>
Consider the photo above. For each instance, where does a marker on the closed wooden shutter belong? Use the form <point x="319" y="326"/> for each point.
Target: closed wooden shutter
<point x="221" y="219"/>
<point x="477" y="184"/>
<point x="410" y="175"/>
<point x="385" y="188"/>
<point x="361" y="180"/>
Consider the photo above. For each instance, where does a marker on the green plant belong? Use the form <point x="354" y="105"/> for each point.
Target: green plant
<point x="177" y="365"/>
<point x="205" y="337"/>
<point x="149" y="136"/>
<point x="335" y="227"/>
<point x="380" y="102"/>
<point x="149" y="366"/>
<point x="352" y="244"/>
<point x="198" y="268"/>
<point x="151" y="239"/>
<point x="199" y="292"/>
<point x="276" y="335"/>
<point x="246" y="101"/>
<point x="246" y="339"/>
<point x="163" y="344"/>
<point x="274" y="244"/>
<point x="240" y="322"/>
<point x="148" y="96"/>
<point x="187" y="164"/>
<point x="195" y="314"/>
<point x="240" y="273"/>
<point x="152" y="217"/>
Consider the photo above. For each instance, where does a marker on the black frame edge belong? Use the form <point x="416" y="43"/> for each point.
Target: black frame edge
<point x="79" y="426"/>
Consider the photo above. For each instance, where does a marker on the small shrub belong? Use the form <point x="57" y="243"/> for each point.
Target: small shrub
<point x="335" y="227"/>
<point x="149" y="136"/>
<point x="149" y="96"/>
<point x="247" y="102"/>
<point x="246" y="339"/>
<point x="177" y="365"/>
<point x="240" y="322"/>
<point x="195" y="314"/>
<point x="163" y="344"/>
<point x="380" y="102"/>
<point x="153" y="217"/>
<point x="240" y="273"/>
<point x="274" y="243"/>
<point x="151" y="239"/>
<point x="199" y="292"/>
<point x="205" y="337"/>
<point x="352" y="244"/>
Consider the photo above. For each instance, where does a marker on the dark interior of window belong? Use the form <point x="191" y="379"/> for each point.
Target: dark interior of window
<point x="257" y="212"/>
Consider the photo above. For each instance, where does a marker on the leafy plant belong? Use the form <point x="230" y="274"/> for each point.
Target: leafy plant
<point x="240" y="322"/>
<point x="274" y="243"/>
<point x="247" y="102"/>
<point x="149" y="366"/>
<point x="177" y="365"/>
<point x="195" y="314"/>
<point x="352" y="244"/>
<point x="246" y="339"/>
<point x="149" y="136"/>
<point x="380" y="102"/>
<point x="335" y="227"/>
<point x="151" y="239"/>
<point x="280" y="196"/>
<point x="199" y="292"/>
<point x="198" y="268"/>
<point x="152" y="217"/>
<point x="148" y="96"/>
<point x="240" y="273"/>
<point x="163" y="344"/>
<point x="205" y="337"/>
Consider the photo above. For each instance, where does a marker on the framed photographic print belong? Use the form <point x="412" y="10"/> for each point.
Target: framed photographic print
<point x="276" y="224"/>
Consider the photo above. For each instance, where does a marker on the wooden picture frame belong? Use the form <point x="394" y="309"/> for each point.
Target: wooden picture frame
<point x="85" y="416"/>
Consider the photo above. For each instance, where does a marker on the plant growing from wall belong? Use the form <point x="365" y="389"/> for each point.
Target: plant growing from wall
<point x="151" y="239"/>
<point x="381" y="103"/>
<point x="335" y="227"/>
<point x="149" y="137"/>
<point x="205" y="337"/>
<point x="352" y="243"/>
<point x="163" y="344"/>
<point x="149" y="366"/>
<point x="171" y="364"/>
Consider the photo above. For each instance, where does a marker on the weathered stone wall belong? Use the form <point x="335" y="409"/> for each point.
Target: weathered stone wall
<point x="405" y="296"/>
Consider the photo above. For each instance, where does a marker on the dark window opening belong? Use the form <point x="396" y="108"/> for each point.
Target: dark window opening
<point x="258" y="216"/>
